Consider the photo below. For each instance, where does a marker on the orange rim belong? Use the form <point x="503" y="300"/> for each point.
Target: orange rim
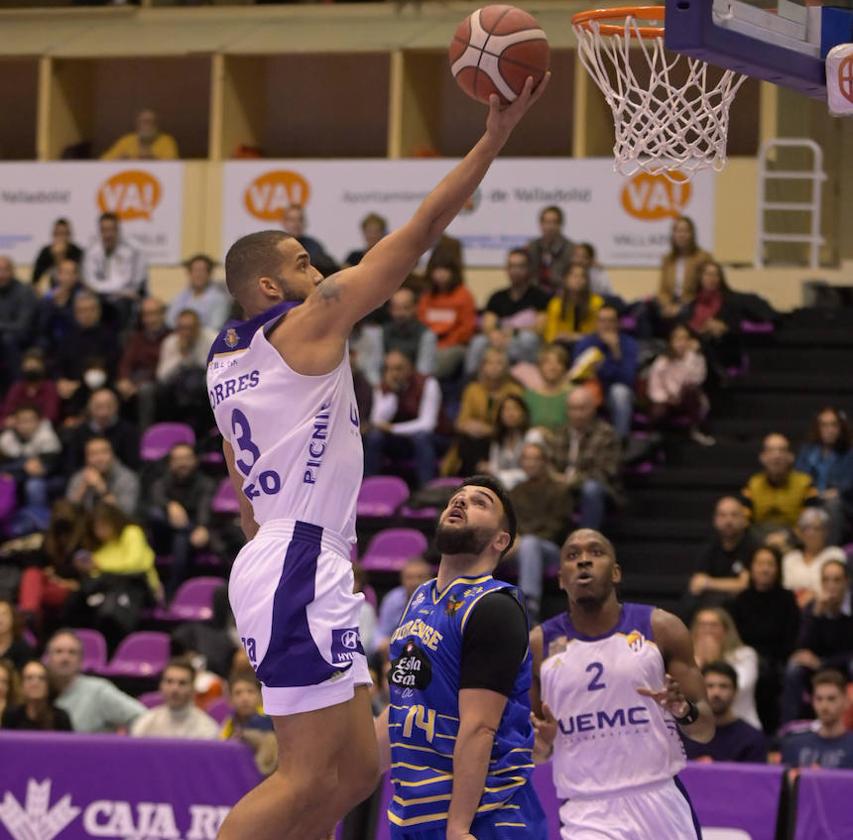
<point x="584" y="20"/>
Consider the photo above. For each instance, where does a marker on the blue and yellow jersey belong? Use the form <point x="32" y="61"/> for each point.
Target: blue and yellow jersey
<point x="426" y="653"/>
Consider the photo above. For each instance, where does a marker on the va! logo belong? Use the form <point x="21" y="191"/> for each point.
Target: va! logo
<point x="270" y="194"/>
<point x="651" y="198"/>
<point x="132" y="194"/>
<point x="37" y="820"/>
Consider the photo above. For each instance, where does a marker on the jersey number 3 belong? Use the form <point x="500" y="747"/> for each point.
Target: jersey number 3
<point x="597" y="669"/>
<point x="269" y="481"/>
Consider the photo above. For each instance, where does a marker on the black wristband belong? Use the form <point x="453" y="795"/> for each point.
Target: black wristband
<point x="691" y="717"/>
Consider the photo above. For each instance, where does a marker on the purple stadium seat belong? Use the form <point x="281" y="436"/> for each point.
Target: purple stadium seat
<point x="192" y="602"/>
<point x="390" y="549"/>
<point x="219" y="710"/>
<point x="381" y="495"/>
<point x="94" y="649"/>
<point x="150" y="699"/>
<point x="139" y="655"/>
<point x="225" y="501"/>
<point x="161" y="437"/>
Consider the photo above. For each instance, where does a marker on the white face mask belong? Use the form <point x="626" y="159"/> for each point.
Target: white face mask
<point x="95" y="379"/>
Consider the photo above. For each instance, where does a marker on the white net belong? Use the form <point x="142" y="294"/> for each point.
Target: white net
<point x="665" y="124"/>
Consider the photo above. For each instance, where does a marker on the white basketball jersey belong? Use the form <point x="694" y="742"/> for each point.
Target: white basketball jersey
<point x="296" y="438"/>
<point x="609" y="737"/>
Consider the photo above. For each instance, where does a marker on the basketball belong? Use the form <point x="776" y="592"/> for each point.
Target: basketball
<point x="495" y="49"/>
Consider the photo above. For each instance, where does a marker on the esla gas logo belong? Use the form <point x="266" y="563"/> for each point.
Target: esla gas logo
<point x="651" y="198"/>
<point x="130" y="194"/>
<point x="36" y="820"/>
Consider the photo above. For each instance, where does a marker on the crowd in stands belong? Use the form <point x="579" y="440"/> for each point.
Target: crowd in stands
<point x="545" y="389"/>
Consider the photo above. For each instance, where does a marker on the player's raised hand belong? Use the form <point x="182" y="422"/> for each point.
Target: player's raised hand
<point x="503" y="118"/>
<point x="670" y="697"/>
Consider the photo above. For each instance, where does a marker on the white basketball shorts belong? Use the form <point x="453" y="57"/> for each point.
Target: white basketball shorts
<point x="297" y="616"/>
<point x="662" y="811"/>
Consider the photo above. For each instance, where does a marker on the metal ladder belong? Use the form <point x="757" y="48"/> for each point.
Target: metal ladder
<point x="816" y="175"/>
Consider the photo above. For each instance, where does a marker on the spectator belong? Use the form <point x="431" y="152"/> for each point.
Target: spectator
<point x="678" y="283"/>
<point x="61" y="248"/>
<point x="34" y="388"/>
<point x="368" y="618"/>
<point x="181" y="372"/>
<point x="17" y="314"/>
<point x="543" y="508"/>
<point x="362" y="387"/>
<point x="295" y="223"/>
<point x="137" y="370"/>
<point x="402" y="332"/>
<point x="248" y="724"/>
<point x="599" y="283"/>
<point x="572" y="312"/>
<point x="178" y="716"/>
<point x="828" y="458"/>
<point x="768" y="619"/>
<point x="478" y="413"/>
<point x="551" y="253"/>
<point x="179" y="513"/>
<point x="48" y="587"/>
<point x="547" y="401"/>
<point x="588" y="453"/>
<point x="723" y="563"/>
<point x="115" y="270"/>
<point x="204" y="297"/>
<point x="406" y="414"/>
<point x="510" y="318"/>
<point x="448" y="309"/>
<point x="715" y="317"/>
<point x="103" y="420"/>
<point x="829" y="745"/>
<point x="13" y="646"/>
<point x="508" y="438"/>
<point x="103" y="478"/>
<point x="37" y="710"/>
<point x="734" y="739"/>
<point x="675" y="384"/>
<point x="715" y="638"/>
<point x="779" y="492"/>
<point x="373" y="228"/>
<point x="412" y="575"/>
<point x="146" y="143"/>
<point x="93" y="704"/>
<point x="29" y="452"/>
<point x="10" y="686"/>
<point x="801" y="567"/>
<point x="825" y="640"/>
<point x="616" y="369"/>
<point x="55" y="313"/>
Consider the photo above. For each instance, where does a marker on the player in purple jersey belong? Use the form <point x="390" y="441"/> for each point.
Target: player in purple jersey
<point x="289" y="585"/>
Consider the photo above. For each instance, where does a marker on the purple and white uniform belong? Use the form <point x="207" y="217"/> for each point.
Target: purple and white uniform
<point x="617" y="752"/>
<point x="297" y="445"/>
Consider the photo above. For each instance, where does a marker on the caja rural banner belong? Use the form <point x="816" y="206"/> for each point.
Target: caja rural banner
<point x="148" y="198"/>
<point x="627" y="219"/>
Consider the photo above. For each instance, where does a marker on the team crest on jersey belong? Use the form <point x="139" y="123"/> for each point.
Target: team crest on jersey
<point x="557" y="645"/>
<point x="635" y="641"/>
<point x="453" y="605"/>
<point x="231" y="337"/>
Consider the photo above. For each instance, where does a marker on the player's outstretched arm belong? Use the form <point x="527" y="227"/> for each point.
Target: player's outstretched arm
<point x="345" y="298"/>
<point x="683" y="694"/>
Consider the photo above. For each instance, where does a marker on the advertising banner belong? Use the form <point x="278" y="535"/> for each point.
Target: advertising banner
<point x="628" y="220"/>
<point x="147" y="197"/>
<point x="824" y="807"/>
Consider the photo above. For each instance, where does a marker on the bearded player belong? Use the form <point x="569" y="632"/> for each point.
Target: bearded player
<point x="617" y="682"/>
<point x="282" y="393"/>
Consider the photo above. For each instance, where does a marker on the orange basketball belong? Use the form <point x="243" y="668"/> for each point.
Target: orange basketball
<point x="495" y="49"/>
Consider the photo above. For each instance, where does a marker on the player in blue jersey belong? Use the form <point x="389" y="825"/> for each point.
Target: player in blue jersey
<point x="457" y="735"/>
<point x="616" y="682"/>
<point x="282" y="394"/>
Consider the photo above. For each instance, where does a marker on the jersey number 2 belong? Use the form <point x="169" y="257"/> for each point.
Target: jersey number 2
<point x="595" y="683"/>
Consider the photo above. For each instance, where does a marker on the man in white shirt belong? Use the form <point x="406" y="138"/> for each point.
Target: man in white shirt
<point x="202" y="295"/>
<point x="406" y="414"/>
<point x="178" y="716"/>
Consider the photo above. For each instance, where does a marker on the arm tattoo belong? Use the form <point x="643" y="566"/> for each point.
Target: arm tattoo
<point x="329" y="289"/>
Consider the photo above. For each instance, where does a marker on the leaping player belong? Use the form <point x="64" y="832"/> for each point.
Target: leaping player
<point x="617" y="681"/>
<point x="282" y="393"/>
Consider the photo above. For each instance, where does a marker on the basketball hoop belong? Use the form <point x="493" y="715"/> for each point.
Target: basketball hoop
<point x="662" y="127"/>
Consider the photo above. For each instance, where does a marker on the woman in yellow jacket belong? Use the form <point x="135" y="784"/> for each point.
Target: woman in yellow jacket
<point x="572" y="313"/>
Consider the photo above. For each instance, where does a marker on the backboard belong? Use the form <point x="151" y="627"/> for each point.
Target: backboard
<point x="781" y="41"/>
